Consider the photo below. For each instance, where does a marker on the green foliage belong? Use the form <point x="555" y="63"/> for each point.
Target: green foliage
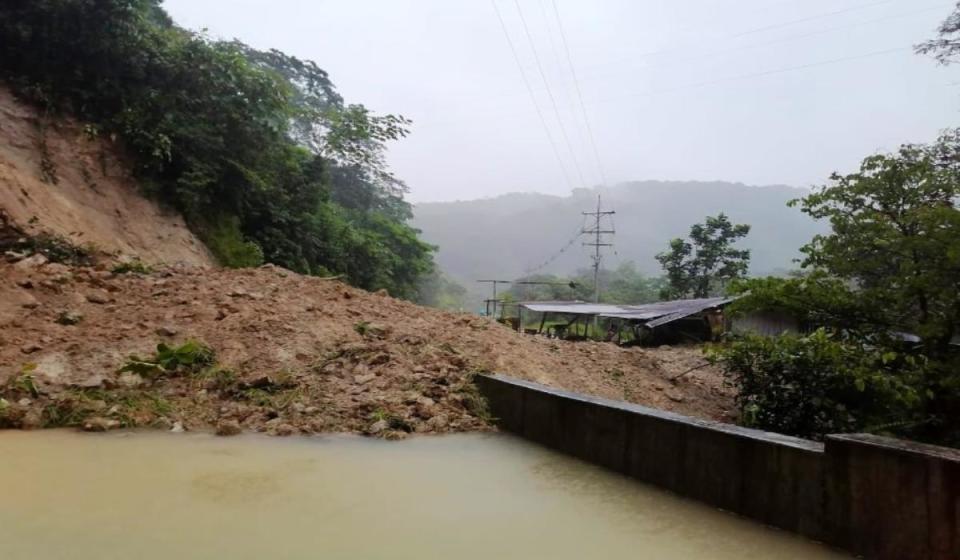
<point x="624" y="285"/>
<point x="702" y="266"/>
<point x="68" y="318"/>
<point x="896" y="237"/>
<point x="54" y="247"/>
<point x="255" y="148"/>
<point x="439" y="290"/>
<point x="886" y="283"/>
<point x="224" y="239"/>
<point x="189" y="358"/>
<point x="135" y="266"/>
<point x="819" y="384"/>
<point x="946" y="47"/>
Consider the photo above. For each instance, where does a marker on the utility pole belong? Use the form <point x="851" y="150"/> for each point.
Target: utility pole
<point x="597" y="232"/>
<point x="494" y="298"/>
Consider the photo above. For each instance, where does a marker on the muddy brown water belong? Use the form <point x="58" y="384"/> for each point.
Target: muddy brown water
<point x="161" y="496"/>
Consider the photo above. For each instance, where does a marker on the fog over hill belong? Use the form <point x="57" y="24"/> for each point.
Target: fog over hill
<point x="505" y="236"/>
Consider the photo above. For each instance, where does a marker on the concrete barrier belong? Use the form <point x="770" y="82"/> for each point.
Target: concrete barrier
<point x="877" y="497"/>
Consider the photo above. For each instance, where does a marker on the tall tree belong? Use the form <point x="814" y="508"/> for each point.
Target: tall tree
<point x="946" y="47"/>
<point x="255" y="148"/>
<point x="884" y="288"/>
<point x="896" y="237"/>
<point x="704" y="264"/>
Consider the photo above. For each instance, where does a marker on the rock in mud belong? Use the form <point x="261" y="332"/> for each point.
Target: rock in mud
<point x="98" y="297"/>
<point x="439" y="422"/>
<point x="92" y="382"/>
<point x="100" y="424"/>
<point x="229" y="428"/>
<point x="178" y="428"/>
<point x="35" y="261"/>
<point x="27" y="301"/>
<point x="378" y="427"/>
<point x="129" y="380"/>
<point x="284" y="430"/>
<point x="674" y="396"/>
<point x="166" y="331"/>
<point x="69" y="317"/>
<point x="32" y="420"/>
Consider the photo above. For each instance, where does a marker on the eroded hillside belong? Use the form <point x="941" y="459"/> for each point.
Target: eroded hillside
<point x="56" y="177"/>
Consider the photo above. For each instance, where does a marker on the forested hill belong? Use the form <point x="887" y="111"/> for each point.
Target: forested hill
<point x="256" y="149"/>
<point x="503" y="237"/>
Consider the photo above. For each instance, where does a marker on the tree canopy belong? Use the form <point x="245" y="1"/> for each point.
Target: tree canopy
<point x="702" y="266"/>
<point x="946" y="47"/>
<point x="883" y="287"/>
<point x="621" y="285"/>
<point x="255" y="148"/>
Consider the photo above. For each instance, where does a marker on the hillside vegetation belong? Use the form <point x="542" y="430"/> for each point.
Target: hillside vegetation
<point x="256" y="149"/>
<point x="506" y="236"/>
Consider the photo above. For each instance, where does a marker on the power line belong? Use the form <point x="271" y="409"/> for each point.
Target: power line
<point x="533" y="97"/>
<point x="718" y="52"/>
<point x="761" y="74"/>
<point x="787" y="39"/>
<point x="809" y="18"/>
<point x="549" y="260"/>
<point x="553" y="101"/>
<point x="576" y="83"/>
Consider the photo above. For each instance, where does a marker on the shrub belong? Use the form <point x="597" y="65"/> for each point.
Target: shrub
<point x="817" y="384"/>
<point x="189" y="358"/>
<point x="135" y="266"/>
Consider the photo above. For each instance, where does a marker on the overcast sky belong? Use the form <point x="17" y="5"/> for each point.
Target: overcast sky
<point x="756" y="91"/>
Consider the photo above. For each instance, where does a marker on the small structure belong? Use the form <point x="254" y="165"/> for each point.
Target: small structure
<point x="660" y="322"/>
<point x="768" y="322"/>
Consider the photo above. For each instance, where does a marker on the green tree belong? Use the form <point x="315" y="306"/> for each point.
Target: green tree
<point x="255" y="148"/>
<point x="885" y="286"/>
<point x="702" y="266"/>
<point x="946" y="47"/>
<point x="896" y="237"/>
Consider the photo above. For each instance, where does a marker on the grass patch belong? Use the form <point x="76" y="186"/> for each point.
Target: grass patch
<point x="135" y="266"/>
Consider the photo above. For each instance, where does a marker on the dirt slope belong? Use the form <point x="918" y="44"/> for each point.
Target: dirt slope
<point x="88" y="196"/>
<point x="304" y="354"/>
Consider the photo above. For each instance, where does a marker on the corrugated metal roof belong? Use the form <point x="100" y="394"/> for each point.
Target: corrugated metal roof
<point x="687" y="308"/>
<point x="656" y="314"/>
<point x="570" y="307"/>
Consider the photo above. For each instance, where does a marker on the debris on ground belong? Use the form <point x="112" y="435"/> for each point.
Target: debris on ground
<point x="288" y="354"/>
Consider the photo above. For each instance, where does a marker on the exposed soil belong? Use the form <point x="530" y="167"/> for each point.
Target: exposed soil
<point x="58" y="178"/>
<point x="293" y="354"/>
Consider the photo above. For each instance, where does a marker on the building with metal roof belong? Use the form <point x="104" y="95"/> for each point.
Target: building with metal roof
<point x="652" y="314"/>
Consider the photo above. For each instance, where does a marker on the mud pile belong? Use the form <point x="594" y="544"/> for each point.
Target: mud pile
<point x="292" y="354"/>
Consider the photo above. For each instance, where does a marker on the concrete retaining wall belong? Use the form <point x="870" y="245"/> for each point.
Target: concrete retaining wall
<point x="878" y="497"/>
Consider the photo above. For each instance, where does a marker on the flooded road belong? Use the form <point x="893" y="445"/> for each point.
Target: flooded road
<point x="147" y="496"/>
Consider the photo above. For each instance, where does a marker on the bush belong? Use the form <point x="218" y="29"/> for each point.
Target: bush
<point x="188" y="358"/>
<point x="135" y="266"/>
<point x="817" y="384"/>
<point x="226" y="242"/>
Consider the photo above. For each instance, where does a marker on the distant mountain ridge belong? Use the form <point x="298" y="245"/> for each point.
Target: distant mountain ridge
<point x="505" y="236"/>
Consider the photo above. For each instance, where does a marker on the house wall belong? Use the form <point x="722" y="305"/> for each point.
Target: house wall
<point x="769" y="323"/>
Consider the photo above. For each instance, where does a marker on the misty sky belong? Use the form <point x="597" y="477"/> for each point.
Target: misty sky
<point x="757" y="91"/>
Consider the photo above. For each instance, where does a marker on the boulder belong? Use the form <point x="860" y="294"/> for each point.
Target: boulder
<point x="229" y="428"/>
<point x="98" y="296"/>
<point x="100" y="424"/>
